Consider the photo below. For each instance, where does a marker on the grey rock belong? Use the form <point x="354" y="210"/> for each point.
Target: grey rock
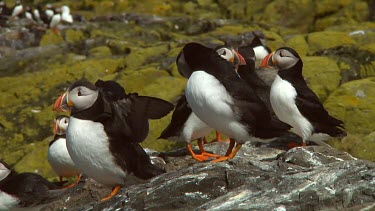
<point x="258" y="178"/>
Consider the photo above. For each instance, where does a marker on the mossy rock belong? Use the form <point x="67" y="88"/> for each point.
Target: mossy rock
<point x="298" y="43"/>
<point x="328" y="39"/>
<point x="354" y="103"/>
<point x="50" y="38"/>
<point x="293" y="14"/>
<point x="118" y="47"/>
<point x="274" y="40"/>
<point x="138" y="56"/>
<point x="35" y="159"/>
<point x="100" y="52"/>
<point x="318" y="69"/>
<point x="72" y="36"/>
<point x="323" y="7"/>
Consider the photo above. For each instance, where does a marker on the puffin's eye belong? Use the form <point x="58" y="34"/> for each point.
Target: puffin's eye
<point x="79" y="93"/>
<point x="65" y="121"/>
<point x="281" y="54"/>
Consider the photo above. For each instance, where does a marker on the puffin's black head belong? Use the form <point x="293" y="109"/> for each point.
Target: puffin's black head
<point x="61" y="124"/>
<point x="113" y="91"/>
<point x="5" y="170"/>
<point x="282" y="58"/>
<point x="194" y="55"/>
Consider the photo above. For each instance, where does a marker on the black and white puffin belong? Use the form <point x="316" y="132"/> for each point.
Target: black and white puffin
<point x="17" y="9"/>
<point x="225" y="102"/>
<point x="66" y="17"/>
<point x="105" y="128"/>
<point x="259" y="48"/>
<point x="25" y="191"/>
<point x="295" y="103"/>
<point x="185" y="126"/>
<point x="58" y="155"/>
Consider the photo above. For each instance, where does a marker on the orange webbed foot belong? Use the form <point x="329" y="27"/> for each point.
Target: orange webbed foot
<point x="115" y="190"/>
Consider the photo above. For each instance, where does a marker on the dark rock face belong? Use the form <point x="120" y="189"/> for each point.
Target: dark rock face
<point x="258" y="178"/>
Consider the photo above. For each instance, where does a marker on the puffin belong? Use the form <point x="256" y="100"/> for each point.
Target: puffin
<point x="105" y="129"/>
<point x="185" y="126"/>
<point x="260" y="50"/>
<point x="58" y="155"/>
<point x="25" y="191"/>
<point x="225" y="102"/>
<point x="295" y="103"/>
<point x="17" y="9"/>
<point x="66" y="17"/>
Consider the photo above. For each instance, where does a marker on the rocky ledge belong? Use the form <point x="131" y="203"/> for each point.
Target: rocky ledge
<point x="258" y="178"/>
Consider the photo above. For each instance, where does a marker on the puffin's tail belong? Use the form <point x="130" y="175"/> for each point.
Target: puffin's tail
<point x="139" y="162"/>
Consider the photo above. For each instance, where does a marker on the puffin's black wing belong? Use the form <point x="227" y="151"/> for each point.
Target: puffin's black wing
<point x="129" y="113"/>
<point x="179" y="117"/>
<point x="310" y="107"/>
<point x="32" y="189"/>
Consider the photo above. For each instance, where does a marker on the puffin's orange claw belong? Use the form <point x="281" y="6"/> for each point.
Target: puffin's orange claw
<point x="115" y="190"/>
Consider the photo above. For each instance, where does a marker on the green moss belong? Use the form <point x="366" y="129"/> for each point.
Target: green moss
<point x="72" y="36"/>
<point x="138" y="56"/>
<point x="50" y="38"/>
<point x="328" y="39"/>
<point x="299" y="44"/>
<point x="314" y="75"/>
<point x="100" y="52"/>
<point x="294" y="14"/>
<point x="118" y="46"/>
<point x="323" y="7"/>
<point x="35" y="160"/>
<point x="353" y="102"/>
<point x="274" y="41"/>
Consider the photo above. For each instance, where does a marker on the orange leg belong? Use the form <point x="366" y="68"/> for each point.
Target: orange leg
<point x="218" y="138"/>
<point x="203" y="152"/>
<point x="76" y="182"/>
<point x="293" y="144"/>
<point x="195" y="156"/>
<point x="204" y="140"/>
<point x="229" y="154"/>
<point x="115" y="190"/>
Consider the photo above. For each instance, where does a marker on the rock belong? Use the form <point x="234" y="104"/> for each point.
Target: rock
<point x="307" y="178"/>
<point x="100" y="52"/>
<point x="352" y="102"/>
<point x="298" y="42"/>
<point x="295" y="14"/>
<point x="318" y="69"/>
<point x="328" y="39"/>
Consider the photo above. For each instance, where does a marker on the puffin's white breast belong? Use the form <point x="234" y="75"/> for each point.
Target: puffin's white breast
<point x="194" y="128"/>
<point x="88" y="147"/>
<point x="282" y="97"/>
<point x="7" y="201"/>
<point x="59" y="159"/>
<point x="211" y="102"/>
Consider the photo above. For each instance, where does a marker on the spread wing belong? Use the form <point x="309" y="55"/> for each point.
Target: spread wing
<point x="179" y="117"/>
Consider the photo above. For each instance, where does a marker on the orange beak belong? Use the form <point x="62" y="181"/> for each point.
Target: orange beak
<point x="267" y="62"/>
<point x="56" y="128"/>
<point x="240" y="58"/>
<point x="61" y="103"/>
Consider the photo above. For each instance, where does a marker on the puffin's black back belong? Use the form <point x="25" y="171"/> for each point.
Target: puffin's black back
<point x="308" y="102"/>
<point x="179" y="117"/>
<point x="32" y="189"/>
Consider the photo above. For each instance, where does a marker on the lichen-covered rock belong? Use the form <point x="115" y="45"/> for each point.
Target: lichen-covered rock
<point x="298" y="43"/>
<point x="50" y="38"/>
<point x="100" y="52"/>
<point x="328" y="39"/>
<point x="318" y="69"/>
<point x="353" y="103"/>
<point x="293" y="14"/>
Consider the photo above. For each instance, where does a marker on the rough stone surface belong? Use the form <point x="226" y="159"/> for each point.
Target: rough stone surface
<point x="258" y="178"/>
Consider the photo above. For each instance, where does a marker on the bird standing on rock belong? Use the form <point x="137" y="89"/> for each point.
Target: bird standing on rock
<point x="295" y="103"/>
<point x="105" y="128"/>
<point x="185" y="126"/>
<point x="224" y="101"/>
<point x="58" y="155"/>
